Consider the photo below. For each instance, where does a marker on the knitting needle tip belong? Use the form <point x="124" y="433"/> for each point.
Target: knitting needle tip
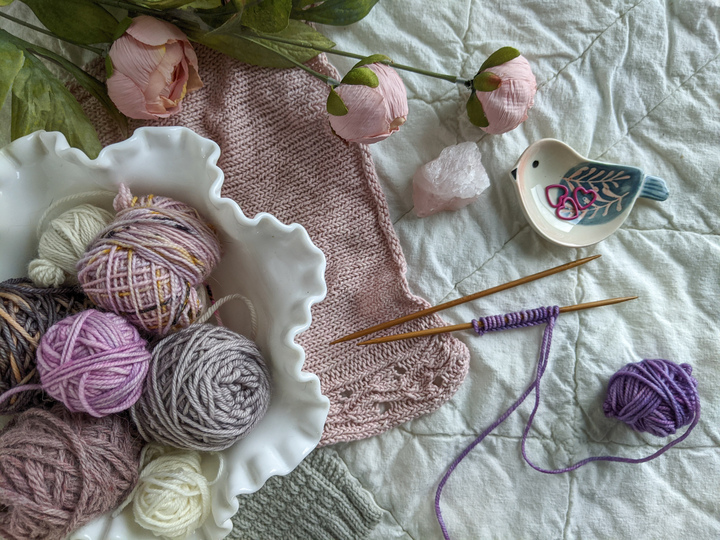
<point x="468" y="326"/>
<point x="468" y="298"/>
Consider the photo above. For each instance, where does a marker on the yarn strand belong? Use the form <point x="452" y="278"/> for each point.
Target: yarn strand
<point x="654" y="375"/>
<point x="85" y="195"/>
<point x="205" y="317"/>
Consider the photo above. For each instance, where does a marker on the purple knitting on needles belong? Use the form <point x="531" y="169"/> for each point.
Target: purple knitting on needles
<point x="656" y="396"/>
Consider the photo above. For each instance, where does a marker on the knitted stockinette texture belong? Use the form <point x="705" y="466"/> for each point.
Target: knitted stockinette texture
<point x="280" y="156"/>
<point x="320" y="500"/>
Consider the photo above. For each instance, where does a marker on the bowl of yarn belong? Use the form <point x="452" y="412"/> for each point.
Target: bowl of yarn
<point x="143" y="234"/>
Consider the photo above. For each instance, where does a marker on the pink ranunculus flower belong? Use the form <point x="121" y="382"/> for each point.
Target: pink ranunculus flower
<point x="507" y="106"/>
<point x="373" y="113"/>
<point x="154" y="67"/>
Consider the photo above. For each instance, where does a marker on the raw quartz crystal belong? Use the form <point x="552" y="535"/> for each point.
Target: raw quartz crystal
<point x="453" y="180"/>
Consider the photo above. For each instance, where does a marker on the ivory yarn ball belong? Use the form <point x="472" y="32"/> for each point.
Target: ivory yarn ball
<point x="64" y="242"/>
<point x="172" y="497"/>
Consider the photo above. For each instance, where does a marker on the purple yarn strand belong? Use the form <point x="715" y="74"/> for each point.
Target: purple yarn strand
<point x="654" y="376"/>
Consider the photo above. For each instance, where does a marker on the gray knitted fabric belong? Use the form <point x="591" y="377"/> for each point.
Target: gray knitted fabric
<point x="319" y="500"/>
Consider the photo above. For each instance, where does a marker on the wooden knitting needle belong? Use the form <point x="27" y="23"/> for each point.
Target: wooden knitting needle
<point x="468" y="298"/>
<point x="468" y="326"/>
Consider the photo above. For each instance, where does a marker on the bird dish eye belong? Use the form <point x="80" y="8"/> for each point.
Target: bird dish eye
<point x="535" y="164"/>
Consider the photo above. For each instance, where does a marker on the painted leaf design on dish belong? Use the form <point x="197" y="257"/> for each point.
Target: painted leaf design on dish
<point x="616" y="187"/>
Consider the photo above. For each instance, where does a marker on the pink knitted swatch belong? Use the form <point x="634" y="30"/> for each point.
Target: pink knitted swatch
<point x="280" y="156"/>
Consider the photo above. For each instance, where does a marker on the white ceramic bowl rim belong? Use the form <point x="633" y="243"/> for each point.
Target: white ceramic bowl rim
<point x="157" y="158"/>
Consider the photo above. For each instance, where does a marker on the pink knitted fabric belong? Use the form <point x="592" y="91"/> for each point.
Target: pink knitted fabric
<point x="280" y="156"/>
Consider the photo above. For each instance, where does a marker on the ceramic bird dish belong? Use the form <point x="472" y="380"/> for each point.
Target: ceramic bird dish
<point x="573" y="201"/>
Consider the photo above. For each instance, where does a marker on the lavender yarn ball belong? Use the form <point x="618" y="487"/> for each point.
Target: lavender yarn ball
<point x="26" y="313"/>
<point x="60" y="470"/>
<point x="207" y="387"/>
<point x="93" y="362"/>
<point x="656" y="396"/>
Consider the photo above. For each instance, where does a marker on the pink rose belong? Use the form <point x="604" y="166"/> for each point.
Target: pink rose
<point x="154" y="66"/>
<point x="373" y="113"/>
<point x="507" y="106"/>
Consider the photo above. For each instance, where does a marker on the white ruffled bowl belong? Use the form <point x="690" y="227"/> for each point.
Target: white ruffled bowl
<point x="276" y="266"/>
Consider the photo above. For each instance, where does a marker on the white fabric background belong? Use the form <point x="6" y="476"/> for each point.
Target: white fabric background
<point x="627" y="82"/>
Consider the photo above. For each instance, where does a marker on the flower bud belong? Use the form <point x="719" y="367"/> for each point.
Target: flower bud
<point x="373" y="113"/>
<point x="154" y="67"/>
<point x="502" y="94"/>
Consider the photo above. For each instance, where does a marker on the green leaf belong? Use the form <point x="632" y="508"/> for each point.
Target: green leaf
<point x="335" y="12"/>
<point x="372" y="59"/>
<point x="160" y="4"/>
<point x="475" y="112"/>
<point x="335" y="104"/>
<point x="108" y="67"/>
<point x="94" y="87"/>
<point x="499" y="57"/>
<point x="300" y="4"/>
<point x="251" y="48"/>
<point x="82" y="21"/>
<point x="486" y="81"/>
<point x="40" y="101"/>
<point x="121" y="27"/>
<point x="361" y="75"/>
<point x="11" y="60"/>
<point x="230" y="24"/>
<point x="215" y="16"/>
<point x="5" y="2"/>
<point x="268" y="16"/>
<point x="204" y="4"/>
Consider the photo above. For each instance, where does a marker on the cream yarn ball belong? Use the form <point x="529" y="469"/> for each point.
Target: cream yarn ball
<point x="63" y="243"/>
<point x="172" y="497"/>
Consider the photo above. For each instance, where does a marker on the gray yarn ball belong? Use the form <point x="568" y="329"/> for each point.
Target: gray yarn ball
<point x="207" y="387"/>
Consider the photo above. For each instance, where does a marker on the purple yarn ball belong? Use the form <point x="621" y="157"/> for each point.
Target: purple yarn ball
<point x="656" y="396"/>
<point x="93" y="362"/>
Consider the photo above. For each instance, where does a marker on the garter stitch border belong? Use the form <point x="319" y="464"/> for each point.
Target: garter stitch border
<point x="280" y="156"/>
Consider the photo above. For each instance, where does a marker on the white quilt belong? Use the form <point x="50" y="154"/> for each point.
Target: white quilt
<point x="630" y="82"/>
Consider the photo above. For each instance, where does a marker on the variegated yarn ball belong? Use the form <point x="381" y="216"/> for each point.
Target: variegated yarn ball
<point x="147" y="264"/>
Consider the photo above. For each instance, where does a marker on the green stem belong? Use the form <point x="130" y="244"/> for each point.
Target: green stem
<point x="328" y="80"/>
<point x="306" y="45"/>
<point x="130" y="7"/>
<point x="48" y="33"/>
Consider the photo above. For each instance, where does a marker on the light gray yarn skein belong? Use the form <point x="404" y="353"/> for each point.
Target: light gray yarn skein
<point x="207" y="387"/>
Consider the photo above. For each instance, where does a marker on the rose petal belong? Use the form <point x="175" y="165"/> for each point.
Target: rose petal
<point x="507" y="106"/>
<point x="128" y="97"/>
<point x="162" y="77"/>
<point x="393" y="89"/>
<point x="154" y="32"/>
<point x="178" y="88"/>
<point x="367" y="116"/>
<point x="194" y="82"/>
<point x="134" y="59"/>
